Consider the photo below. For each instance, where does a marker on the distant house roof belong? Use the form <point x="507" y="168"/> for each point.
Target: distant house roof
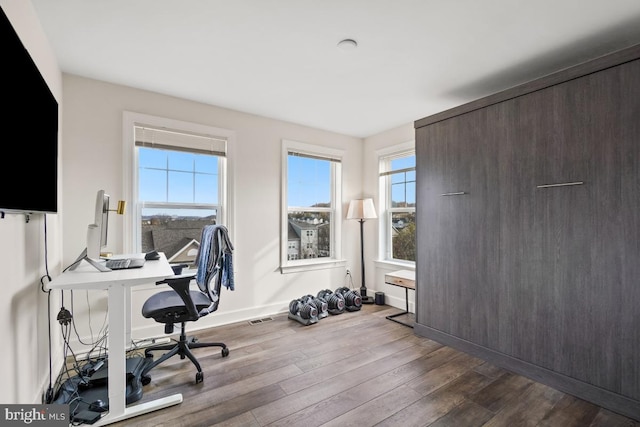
<point x="305" y="225"/>
<point x="167" y="233"/>
<point x="292" y="233"/>
<point x="187" y="253"/>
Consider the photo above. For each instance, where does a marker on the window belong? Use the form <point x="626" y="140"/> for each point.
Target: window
<point x="311" y="205"/>
<point x="178" y="185"/>
<point x="398" y="191"/>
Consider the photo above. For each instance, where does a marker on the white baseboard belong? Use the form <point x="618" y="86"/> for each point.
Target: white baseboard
<point x="151" y="330"/>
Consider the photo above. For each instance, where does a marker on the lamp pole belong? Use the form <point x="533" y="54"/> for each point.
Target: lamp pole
<point x="362" y="209"/>
<point x="363" y="289"/>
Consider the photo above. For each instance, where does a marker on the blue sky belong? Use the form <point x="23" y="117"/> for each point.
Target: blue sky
<point x="192" y="178"/>
<point x="401" y="192"/>
<point x="309" y="181"/>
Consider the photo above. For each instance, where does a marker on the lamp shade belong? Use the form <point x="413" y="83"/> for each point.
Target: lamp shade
<point x="361" y="209"/>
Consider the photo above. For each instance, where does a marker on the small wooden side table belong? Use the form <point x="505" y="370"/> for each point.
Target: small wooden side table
<point x="405" y="279"/>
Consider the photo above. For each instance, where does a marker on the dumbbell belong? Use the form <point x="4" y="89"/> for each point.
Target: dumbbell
<point x="321" y="305"/>
<point x="302" y="308"/>
<point x="352" y="299"/>
<point x="335" y="301"/>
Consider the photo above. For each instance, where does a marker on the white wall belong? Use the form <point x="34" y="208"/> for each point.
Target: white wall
<point x="23" y="306"/>
<point x="93" y="160"/>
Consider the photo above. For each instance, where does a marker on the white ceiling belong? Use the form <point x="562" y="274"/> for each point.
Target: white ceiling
<point x="278" y="58"/>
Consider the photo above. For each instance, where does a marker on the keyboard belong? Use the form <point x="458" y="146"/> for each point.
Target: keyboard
<point x="124" y="263"/>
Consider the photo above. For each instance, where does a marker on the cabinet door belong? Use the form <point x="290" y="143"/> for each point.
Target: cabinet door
<point x="440" y="220"/>
<point x="518" y="303"/>
<point x="542" y="211"/>
<point x="627" y="224"/>
<point x="581" y="244"/>
<point x="457" y="224"/>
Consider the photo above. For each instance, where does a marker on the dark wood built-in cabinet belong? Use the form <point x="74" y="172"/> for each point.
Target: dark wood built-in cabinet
<point x="528" y="219"/>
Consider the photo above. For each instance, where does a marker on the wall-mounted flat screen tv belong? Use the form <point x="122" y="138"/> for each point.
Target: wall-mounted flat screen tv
<point x="29" y="122"/>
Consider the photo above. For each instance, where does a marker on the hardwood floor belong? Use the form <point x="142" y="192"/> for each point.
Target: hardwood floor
<point x="352" y="369"/>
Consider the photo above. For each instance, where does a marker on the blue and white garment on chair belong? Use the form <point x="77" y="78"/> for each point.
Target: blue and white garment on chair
<point x="227" y="271"/>
<point x="215" y="243"/>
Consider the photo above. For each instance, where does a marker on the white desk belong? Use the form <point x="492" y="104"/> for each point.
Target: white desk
<point x="117" y="283"/>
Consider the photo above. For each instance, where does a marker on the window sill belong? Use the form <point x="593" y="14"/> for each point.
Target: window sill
<point x="395" y="265"/>
<point x="315" y="265"/>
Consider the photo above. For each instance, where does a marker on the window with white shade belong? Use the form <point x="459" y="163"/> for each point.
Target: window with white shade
<point x="178" y="184"/>
<point x="311" y="220"/>
<point x="398" y="193"/>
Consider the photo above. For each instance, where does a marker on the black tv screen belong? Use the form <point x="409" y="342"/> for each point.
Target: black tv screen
<point x="29" y="120"/>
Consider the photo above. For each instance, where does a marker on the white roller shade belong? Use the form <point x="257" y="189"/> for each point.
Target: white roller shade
<point x="178" y="140"/>
<point x="315" y="157"/>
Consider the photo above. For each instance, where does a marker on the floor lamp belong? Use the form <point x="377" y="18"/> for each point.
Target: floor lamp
<point x="362" y="209"/>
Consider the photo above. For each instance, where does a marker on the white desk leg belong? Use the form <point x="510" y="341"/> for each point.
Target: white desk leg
<point x="127" y="313"/>
<point x="118" y="306"/>
<point x="117" y="365"/>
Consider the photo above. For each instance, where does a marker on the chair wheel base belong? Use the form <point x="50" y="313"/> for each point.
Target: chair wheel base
<point x="225" y="352"/>
<point x="199" y="377"/>
<point x="146" y="379"/>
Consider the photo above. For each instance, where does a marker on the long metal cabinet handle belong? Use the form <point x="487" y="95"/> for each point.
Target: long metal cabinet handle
<point x="459" y="193"/>
<point x="562" y="184"/>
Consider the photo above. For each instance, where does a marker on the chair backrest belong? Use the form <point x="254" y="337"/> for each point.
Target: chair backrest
<point x="212" y="261"/>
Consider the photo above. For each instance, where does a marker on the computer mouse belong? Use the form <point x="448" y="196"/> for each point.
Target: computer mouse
<point x="153" y="255"/>
<point x="98" y="406"/>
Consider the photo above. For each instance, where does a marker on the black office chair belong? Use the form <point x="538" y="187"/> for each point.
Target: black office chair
<point x="181" y="304"/>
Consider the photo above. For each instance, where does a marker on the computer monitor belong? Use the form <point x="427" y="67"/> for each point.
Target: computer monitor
<point x="97" y="234"/>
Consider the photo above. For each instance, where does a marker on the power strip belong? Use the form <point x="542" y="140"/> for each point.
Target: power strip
<point x="150" y="342"/>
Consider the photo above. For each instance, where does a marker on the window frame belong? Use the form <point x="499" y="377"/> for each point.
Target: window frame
<point x="132" y="227"/>
<point x="335" y="260"/>
<point x="385" y="156"/>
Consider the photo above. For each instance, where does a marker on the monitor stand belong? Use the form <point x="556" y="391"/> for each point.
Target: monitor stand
<point x="84" y="257"/>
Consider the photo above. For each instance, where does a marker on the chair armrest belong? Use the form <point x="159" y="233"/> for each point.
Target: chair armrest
<point x="180" y="284"/>
<point x="177" y="279"/>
